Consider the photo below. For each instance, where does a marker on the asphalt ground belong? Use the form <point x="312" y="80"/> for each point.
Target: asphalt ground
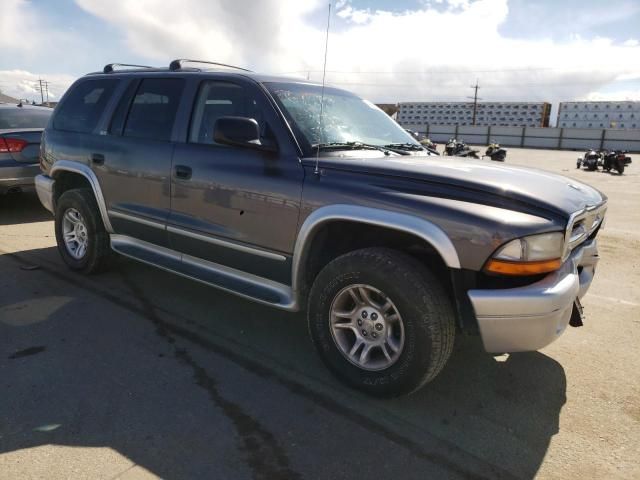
<point x="137" y="373"/>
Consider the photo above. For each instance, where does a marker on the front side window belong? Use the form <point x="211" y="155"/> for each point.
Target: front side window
<point x="345" y="117"/>
<point x="221" y="99"/>
<point x="83" y="106"/>
<point x="154" y="108"/>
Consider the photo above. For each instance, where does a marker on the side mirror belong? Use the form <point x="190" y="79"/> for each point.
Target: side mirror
<point x="240" y="132"/>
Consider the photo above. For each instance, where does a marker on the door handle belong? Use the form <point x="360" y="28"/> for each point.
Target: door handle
<point x="97" y="158"/>
<point x="183" y="172"/>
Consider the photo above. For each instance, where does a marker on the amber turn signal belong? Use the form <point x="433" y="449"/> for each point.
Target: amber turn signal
<point x="504" y="267"/>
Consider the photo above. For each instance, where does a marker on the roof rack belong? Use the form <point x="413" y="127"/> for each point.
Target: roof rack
<point x="110" y="67"/>
<point x="177" y="64"/>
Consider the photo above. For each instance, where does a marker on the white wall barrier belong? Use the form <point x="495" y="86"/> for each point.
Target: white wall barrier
<point x="530" y="137"/>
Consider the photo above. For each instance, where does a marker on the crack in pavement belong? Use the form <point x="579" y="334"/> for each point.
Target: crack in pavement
<point x="266" y="458"/>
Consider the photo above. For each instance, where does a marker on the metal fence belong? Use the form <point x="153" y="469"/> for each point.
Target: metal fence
<point x="533" y="137"/>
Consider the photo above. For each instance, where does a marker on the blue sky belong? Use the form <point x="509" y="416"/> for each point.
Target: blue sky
<point x="385" y="50"/>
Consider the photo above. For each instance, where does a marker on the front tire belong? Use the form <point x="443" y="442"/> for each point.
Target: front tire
<point x="82" y="240"/>
<point x="381" y="322"/>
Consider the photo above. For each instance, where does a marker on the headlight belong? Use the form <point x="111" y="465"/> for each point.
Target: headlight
<point x="528" y="255"/>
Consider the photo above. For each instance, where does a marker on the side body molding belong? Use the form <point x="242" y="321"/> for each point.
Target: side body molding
<point x="419" y="227"/>
<point x="85" y="171"/>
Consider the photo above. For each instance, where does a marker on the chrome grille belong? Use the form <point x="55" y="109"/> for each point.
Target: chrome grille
<point x="581" y="225"/>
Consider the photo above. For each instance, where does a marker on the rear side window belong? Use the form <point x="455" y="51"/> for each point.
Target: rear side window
<point x="82" y="108"/>
<point x="221" y="99"/>
<point x="153" y="109"/>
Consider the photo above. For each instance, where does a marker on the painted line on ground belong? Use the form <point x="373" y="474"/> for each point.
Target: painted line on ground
<point x="615" y="300"/>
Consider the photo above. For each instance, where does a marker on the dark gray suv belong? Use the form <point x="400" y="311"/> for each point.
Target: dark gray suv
<point x="243" y="182"/>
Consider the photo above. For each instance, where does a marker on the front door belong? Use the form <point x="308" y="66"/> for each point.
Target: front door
<point x="231" y="205"/>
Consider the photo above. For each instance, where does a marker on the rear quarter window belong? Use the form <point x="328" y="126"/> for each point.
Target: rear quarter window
<point x="82" y="107"/>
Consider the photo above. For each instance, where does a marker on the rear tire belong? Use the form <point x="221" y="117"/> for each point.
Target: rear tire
<point x="408" y="343"/>
<point x="82" y="240"/>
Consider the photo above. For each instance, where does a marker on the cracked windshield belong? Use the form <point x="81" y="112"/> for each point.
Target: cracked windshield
<point x="345" y="117"/>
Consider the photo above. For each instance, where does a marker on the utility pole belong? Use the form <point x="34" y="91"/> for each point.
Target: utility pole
<point x="41" y="91"/>
<point x="475" y="100"/>
<point x="46" y="88"/>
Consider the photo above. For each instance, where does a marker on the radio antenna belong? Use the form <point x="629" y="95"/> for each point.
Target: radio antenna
<point x="324" y="72"/>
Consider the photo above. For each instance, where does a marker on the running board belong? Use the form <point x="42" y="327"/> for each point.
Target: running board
<point x="234" y="281"/>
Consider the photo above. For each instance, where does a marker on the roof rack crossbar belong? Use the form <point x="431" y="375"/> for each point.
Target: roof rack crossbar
<point x="110" y="67"/>
<point x="177" y="64"/>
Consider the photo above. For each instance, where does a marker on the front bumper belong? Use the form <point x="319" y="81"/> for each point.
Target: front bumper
<point x="529" y="318"/>
<point x="44" y="188"/>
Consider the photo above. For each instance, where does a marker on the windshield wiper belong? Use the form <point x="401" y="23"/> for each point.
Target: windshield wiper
<point x="351" y="146"/>
<point x="405" y="146"/>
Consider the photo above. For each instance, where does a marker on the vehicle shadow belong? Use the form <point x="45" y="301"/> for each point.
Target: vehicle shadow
<point x="23" y="207"/>
<point x="76" y="364"/>
<point x="504" y="409"/>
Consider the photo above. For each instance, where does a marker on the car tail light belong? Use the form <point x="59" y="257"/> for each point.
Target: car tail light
<point x="12" y="145"/>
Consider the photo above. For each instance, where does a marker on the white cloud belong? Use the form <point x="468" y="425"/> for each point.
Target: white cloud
<point x="24" y="85"/>
<point x="238" y="31"/>
<point x="612" y="96"/>
<point x="15" y="20"/>
<point x="28" y="36"/>
<point x="429" y="53"/>
<point x="358" y="16"/>
<point x="426" y="53"/>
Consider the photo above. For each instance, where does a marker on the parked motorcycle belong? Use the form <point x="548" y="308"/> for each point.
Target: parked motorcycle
<point x="451" y="147"/>
<point x="616" y="159"/>
<point x="496" y="152"/>
<point x="457" y="148"/>
<point x="429" y="145"/>
<point x="591" y="160"/>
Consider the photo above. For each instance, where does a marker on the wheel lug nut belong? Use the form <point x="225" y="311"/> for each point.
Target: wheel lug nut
<point x="374" y="316"/>
<point x="359" y="323"/>
<point x="364" y="314"/>
<point x="378" y="326"/>
<point x="374" y="334"/>
<point x="364" y="333"/>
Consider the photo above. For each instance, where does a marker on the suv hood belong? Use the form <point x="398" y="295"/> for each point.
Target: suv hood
<point x="537" y="188"/>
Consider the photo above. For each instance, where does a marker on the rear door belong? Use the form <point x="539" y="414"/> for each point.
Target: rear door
<point x="133" y="163"/>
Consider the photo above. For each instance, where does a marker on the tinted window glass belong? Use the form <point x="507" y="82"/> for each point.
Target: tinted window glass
<point x="153" y="109"/>
<point x="82" y="108"/>
<point x="119" y="116"/>
<point x="22" y="117"/>
<point x="221" y="99"/>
